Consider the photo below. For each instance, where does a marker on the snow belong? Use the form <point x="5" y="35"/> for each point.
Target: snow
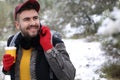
<point x="110" y="26"/>
<point x="115" y="13"/>
<point x="96" y="18"/>
<point x="70" y="31"/>
<point x="87" y="57"/>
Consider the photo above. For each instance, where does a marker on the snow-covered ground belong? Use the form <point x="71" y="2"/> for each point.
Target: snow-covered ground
<point x="87" y="57"/>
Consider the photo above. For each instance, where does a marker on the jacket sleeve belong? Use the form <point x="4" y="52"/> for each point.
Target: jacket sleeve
<point x="60" y="62"/>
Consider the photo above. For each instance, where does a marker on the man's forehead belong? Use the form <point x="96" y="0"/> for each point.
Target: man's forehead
<point x="29" y="13"/>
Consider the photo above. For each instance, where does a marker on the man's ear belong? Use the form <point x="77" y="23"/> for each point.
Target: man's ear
<point x="17" y="24"/>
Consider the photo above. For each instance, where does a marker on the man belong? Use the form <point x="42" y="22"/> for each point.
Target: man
<point x="40" y="55"/>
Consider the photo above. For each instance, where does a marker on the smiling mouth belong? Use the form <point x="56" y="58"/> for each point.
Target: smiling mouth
<point x="32" y="27"/>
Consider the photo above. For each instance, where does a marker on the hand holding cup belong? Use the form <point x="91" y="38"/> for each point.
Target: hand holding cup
<point x="11" y="51"/>
<point x="9" y="57"/>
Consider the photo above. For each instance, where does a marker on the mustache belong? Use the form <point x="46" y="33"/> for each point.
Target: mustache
<point x="32" y="26"/>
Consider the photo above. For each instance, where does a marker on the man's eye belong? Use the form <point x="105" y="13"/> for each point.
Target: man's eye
<point x="26" y="19"/>
<point x="35" y="18"/>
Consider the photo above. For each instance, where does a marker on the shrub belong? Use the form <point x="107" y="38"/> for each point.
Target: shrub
<point x="111" y="70"/>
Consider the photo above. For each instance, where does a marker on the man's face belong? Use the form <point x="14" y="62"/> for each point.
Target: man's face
<point x="28" y="23"/>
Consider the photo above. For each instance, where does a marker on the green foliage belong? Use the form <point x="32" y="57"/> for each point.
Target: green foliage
<point x="76" y="12"/>
<point x="1" y="53"/>
<point x="46" y="4"/>
<point x="111" y="46"/>
<point x="111" y="70"/>
<point x="75" y="36"/>
<point x="6" y="18"/>
<point x="2" y="45"/>
<point x="4" y="13"/>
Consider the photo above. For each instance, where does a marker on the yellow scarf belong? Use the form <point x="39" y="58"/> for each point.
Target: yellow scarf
<point x="25" y="65"/>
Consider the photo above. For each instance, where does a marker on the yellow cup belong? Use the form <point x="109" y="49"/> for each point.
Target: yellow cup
<point x="11" y="51"/>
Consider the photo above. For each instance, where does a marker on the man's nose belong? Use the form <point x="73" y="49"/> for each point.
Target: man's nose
<point x="32" y="22"/>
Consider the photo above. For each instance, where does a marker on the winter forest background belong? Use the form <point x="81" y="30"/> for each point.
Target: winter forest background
<point x="94" y="20"/>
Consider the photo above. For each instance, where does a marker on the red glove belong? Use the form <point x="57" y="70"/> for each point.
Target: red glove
<point x="45" y="38"/>
<point x="8" y="61"/>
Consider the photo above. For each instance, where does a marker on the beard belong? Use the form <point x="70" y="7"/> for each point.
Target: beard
<point x="30" y="31"/>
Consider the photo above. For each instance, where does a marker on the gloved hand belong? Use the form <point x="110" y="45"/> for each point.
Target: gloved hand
<point x="45" y="38"/>
<point x="8" y="61"/>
